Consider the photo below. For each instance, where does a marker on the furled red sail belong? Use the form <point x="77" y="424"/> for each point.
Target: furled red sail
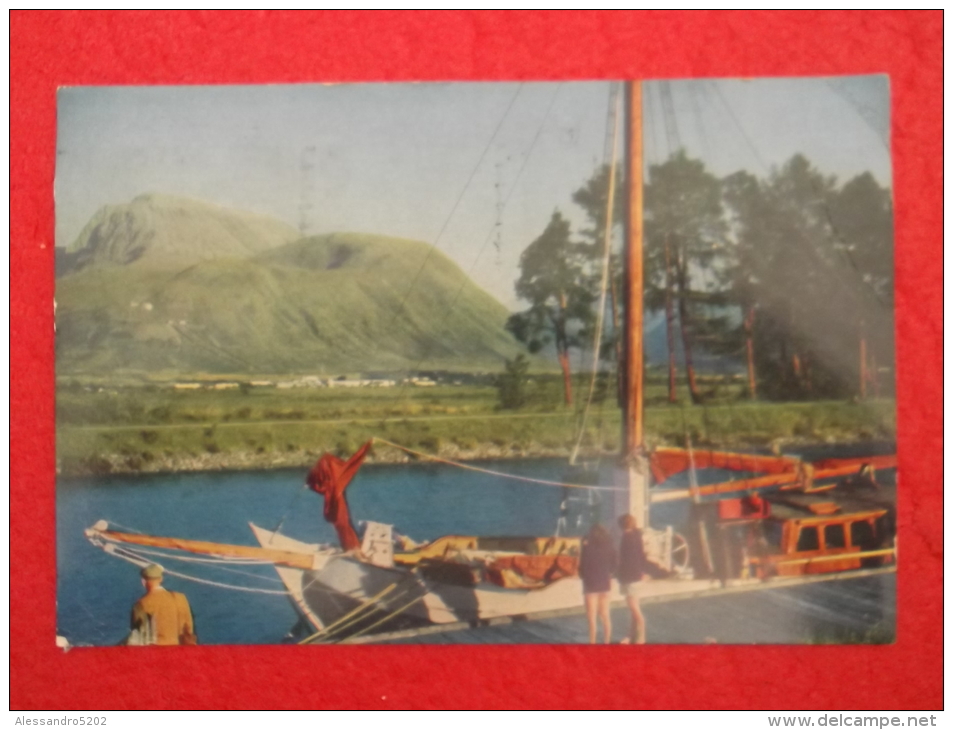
<point x="330" y="477"/>
<point x="668" y="461"/>
<point x="530" y="571"/>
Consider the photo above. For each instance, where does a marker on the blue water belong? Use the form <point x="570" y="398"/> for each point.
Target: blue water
<point x="95" y="591"/>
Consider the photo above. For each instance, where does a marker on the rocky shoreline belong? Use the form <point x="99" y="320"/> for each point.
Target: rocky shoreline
<point x="254" y="461"/>
<point x="106" y="464"/>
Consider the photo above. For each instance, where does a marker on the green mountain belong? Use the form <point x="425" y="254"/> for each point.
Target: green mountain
<point x="164" y="229"/>
<point x="326" y="304"/>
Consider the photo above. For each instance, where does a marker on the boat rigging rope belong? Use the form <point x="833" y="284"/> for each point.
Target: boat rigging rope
<point x="136" y="557"/>
<point x="130" y="556"/>
<point x="380" y="602"/>
<point x="741" y="129"/>
<point x="347" y="618"/>
<point x="294" y="499"/>
<point x="493" y="472"/>
<point x="694" y="92"/>
<point x="215" y="562"/>
<point x="125" y="527"/>
<point x="604" y="284"/>
<point x="453" y="210"/>
<point x="386" y="618"/>
<point x="489" y="236"/>
<point x="650" y="118"/>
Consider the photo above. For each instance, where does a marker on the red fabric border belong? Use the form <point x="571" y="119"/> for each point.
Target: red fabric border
<point x="50" y="49"/>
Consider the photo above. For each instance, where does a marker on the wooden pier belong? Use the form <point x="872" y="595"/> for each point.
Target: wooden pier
<point x="831" y="608"/>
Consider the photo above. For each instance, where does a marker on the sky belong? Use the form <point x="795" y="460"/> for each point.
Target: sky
<point x="475" y="169"/>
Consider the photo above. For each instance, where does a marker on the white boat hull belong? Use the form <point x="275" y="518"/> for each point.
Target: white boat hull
<point x="342" y="582"/>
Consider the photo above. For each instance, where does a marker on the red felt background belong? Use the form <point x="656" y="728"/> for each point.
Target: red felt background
<point x="49" y="49"/>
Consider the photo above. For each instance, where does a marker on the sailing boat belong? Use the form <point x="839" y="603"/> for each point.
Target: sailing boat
<point x="382" y="584"/>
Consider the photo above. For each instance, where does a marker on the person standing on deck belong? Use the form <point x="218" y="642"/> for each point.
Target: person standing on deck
<point x="597" y="562"/>
<point x="632" y="566"/>
<point x="160" y="617"/>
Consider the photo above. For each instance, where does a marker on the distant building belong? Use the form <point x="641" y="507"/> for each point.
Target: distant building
<point x="361" y="383"/>
<point x="308" y="381"/>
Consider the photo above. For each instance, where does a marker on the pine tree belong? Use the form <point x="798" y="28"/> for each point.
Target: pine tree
<point x="553" y="280"/>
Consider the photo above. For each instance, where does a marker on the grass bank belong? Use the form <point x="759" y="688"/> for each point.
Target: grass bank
<point x="149" y="429"/>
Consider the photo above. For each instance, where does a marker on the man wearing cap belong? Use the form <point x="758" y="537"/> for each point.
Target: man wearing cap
<point x="161" y="617"/>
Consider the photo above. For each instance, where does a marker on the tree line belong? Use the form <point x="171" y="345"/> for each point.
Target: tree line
<point x="787" y="275"/>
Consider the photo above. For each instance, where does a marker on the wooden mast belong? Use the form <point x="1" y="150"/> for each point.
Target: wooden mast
<point x="633" y="430"/>
<point x="634" y="436"/>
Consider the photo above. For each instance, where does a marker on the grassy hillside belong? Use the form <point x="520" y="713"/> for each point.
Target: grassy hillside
<point x="326" y="305"/>
<point x="159" y="229"/>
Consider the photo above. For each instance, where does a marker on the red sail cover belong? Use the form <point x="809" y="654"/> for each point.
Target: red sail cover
<point x="668" y="461"/>
<point x="330" y="477"/>
<point x="665" y="462"/>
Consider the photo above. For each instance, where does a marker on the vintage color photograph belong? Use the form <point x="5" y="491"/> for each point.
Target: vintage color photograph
<point x="509" y="363"/>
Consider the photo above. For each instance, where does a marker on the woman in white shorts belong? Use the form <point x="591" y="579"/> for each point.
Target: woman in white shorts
<point x="632" y="565"/>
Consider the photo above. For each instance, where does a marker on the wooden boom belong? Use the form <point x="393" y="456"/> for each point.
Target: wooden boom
<point x="840" y="468"/>
<point x="304" y="561"/>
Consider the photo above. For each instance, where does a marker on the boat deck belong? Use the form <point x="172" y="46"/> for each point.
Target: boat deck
<point x="857" y="608"/>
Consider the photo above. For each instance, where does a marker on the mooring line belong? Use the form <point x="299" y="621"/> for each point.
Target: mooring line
<point x="493" y="472"/>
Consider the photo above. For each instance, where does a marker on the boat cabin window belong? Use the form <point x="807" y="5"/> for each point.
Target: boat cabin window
<point x="808" y="539"/>
<point x="884" y="525"/>
<point x="862" y="535"/>
<point x="834" y="536"/>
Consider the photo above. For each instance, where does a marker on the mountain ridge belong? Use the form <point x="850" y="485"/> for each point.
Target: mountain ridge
<point x="156" y="226"/>
<point x="339" y="302"/>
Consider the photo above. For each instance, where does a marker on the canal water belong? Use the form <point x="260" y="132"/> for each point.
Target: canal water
<point x="95" y="591"/>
